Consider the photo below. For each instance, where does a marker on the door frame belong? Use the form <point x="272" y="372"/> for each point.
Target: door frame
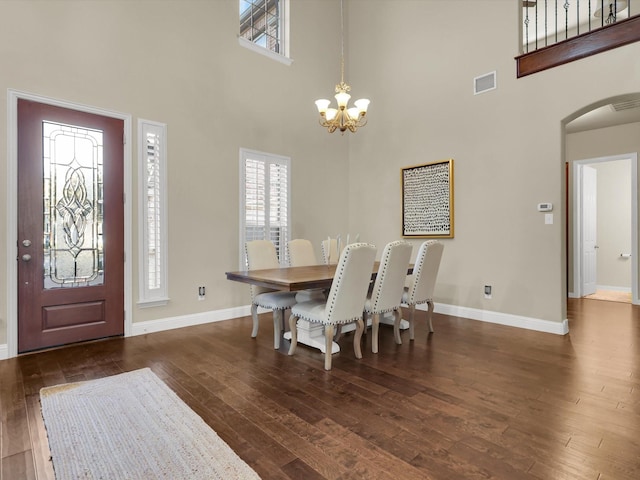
<point x="12" y="208"/>
<point x="577" y="220"/>
<point x="588" y="229"/>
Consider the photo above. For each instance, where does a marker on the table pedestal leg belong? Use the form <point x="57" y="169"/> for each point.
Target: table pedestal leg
<point x="386" y="318"/>
<point x="312" y="335"/>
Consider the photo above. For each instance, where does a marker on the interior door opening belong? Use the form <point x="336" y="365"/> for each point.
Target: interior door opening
<point x="619" y="264"/>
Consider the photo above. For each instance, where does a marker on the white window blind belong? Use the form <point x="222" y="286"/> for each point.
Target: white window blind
<point x="152" y="213"/>
<point x="265" y="200"/>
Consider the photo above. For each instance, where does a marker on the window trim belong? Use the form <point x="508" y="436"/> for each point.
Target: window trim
<point x="148" y="297"/>
<point x="269" y="159"/>
<point x="264" y="51"/>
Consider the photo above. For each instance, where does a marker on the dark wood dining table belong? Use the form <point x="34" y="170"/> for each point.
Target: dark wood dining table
<point x="293" y="279"/>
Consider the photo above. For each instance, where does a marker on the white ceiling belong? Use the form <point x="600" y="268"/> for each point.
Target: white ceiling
<point x="607" y="116"/>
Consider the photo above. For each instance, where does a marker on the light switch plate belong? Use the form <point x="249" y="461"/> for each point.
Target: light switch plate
<point x="548" y="218"/>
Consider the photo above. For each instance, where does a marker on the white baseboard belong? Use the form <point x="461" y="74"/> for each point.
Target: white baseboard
<point x="151" y="326"/>
<point x="613" y="288"/>
<point x="605" y="287"/>
<point x="559" y="328"/>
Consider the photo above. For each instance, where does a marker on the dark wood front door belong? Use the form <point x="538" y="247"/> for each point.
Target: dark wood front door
<point x="70" y="226"/>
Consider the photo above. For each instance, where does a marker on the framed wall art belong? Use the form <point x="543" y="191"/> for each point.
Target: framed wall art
<point x="427" y="200"/>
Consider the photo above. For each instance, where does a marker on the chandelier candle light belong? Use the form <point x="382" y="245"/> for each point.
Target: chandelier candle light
<point x="342" y="118"/>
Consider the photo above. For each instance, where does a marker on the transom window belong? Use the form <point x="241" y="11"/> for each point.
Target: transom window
<point x="260" y="23"/>
<point x="264" y="27"/>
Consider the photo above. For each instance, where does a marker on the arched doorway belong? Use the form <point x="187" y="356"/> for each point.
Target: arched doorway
<point x="599" y="135"/>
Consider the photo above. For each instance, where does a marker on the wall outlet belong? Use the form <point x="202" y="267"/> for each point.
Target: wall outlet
<point x="201" y="293"/>
<point x="487" y="291"/>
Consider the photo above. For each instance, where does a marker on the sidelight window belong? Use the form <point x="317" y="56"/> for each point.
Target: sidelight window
<point x="152" y="160"/>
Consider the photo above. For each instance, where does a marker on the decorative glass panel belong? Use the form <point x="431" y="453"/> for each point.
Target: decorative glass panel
<point x="73" y="206"/>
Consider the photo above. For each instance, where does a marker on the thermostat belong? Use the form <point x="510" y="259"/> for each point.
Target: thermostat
<point x="545" y="207"/>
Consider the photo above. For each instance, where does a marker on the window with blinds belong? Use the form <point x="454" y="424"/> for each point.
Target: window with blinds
<point x="152" y="215"/>
<point x="264" y="200"/>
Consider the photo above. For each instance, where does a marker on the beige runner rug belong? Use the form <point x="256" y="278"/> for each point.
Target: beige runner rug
<point x="132" y="426"/>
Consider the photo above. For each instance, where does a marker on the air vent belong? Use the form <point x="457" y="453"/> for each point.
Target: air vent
<point x="628" y="105"/>
<point x="484" y="83"/>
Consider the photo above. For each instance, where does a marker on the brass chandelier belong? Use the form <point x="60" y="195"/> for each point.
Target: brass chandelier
<point x="342" y="118"/>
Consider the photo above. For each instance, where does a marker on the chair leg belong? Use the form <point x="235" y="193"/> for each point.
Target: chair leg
<point x="357" y="349"/>
<point x="375" y="328"/>
<point x="293" y="327"/>
<point x="328" y="338"/>
<point x="338" y="333"/>
<point x="412" y="314"/>
<point x="430" y="314"/>
<point x="278" y="315"/>
<point x="396" y="326"/>
<point x="254" y="315"/>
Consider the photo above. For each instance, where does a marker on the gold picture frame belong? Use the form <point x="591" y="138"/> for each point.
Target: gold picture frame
<point x="427" y="200"/>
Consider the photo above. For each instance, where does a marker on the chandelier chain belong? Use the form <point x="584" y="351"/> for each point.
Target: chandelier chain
<point x="342" y="118"/>
<point x="342" y="41"/>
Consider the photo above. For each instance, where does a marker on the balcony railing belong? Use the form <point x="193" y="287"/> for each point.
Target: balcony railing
<point x="555" y="32"/>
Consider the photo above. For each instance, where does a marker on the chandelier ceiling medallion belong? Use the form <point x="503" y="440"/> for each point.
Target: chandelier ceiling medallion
<point x="342" y="118"/>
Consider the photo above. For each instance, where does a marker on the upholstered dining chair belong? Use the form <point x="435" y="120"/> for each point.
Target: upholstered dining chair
<point x="330" y="252"/>
<point x="332" y="248"/>
<point x="388" y="288"/>
<point x="421" y="285"/>
<point x="345" y="301"/>
<point x="301" y="254"/>
<point x="261" y="254"/>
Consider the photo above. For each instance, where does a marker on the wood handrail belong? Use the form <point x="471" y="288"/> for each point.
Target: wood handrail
<point x="596" y="41"/>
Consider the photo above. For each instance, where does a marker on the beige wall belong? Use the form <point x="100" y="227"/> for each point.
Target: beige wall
<point x="179" y="62"/>
<point x="418" y="69"/>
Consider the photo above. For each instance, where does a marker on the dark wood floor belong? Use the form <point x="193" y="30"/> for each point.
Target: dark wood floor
<point x="472" y="401"/>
